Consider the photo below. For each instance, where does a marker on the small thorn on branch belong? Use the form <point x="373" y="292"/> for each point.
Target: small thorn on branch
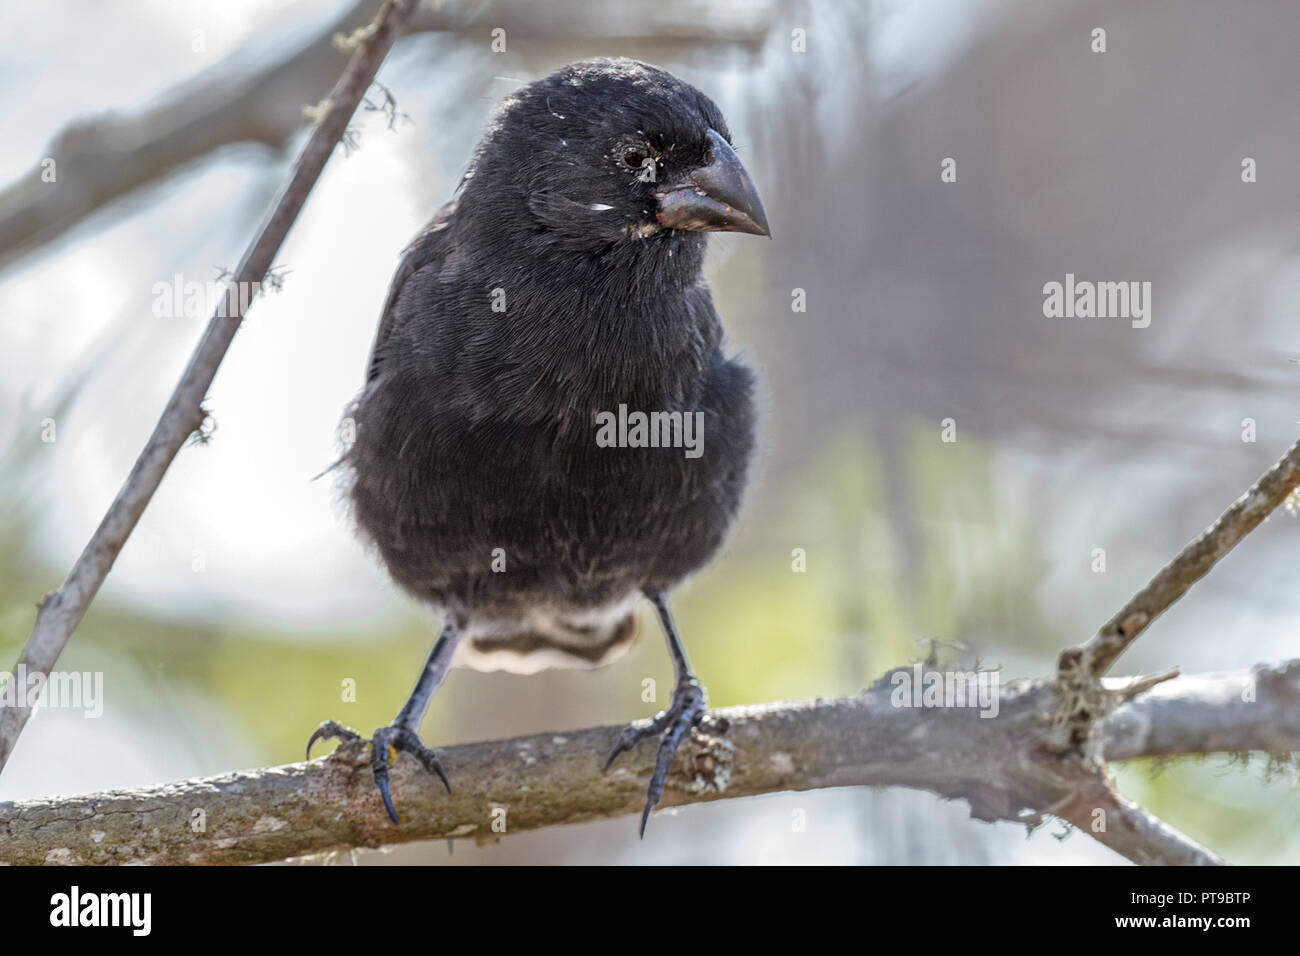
<point x="1140" y="685"/>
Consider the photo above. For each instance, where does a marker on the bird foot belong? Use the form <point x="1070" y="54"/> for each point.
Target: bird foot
<point x="399" y="739"/>
<point x="688" y="707"/>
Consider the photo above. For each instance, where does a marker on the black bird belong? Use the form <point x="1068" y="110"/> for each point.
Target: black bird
<point x="563" y="282"/>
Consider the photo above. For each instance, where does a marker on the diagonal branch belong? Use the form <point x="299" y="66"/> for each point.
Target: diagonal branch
<point x="61" y="611"/>
<point x="105" y="158"/>
<point x="1014" y="766"/>
<point x="1097" y="808"/>
<point x="1192" y="563"/>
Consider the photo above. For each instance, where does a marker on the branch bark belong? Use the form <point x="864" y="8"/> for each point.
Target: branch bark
<point x="1016" y="766"/>
<point x="105" y="158"/>
<point x="1191" y="564"/>
<point x="62" y="610"/>
<point x="1255" y="710"/>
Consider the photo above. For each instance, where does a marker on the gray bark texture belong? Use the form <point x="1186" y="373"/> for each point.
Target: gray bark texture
<point x="1018" y="766"/>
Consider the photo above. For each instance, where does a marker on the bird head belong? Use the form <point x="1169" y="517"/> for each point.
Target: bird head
<point x="608" y="152"/>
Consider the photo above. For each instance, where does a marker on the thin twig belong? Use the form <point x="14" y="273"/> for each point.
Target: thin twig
<point x="61" y="611"/>
<point x="1192" y="563"/>
<point x="1140" y="685"/>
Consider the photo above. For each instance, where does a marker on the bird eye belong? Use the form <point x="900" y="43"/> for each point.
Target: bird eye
<point x="634" y="158"/>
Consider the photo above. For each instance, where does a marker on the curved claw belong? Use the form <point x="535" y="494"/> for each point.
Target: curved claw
<point x="645" y="818"/>
<point x="633" y="734"/>
<point x="399" y="738"/>
<point x="381" y="781"/>
<point x="429" y="759"/>
<point x="402" y="740"/>
<point x="628" y="739"/>
<point x="689" y="705"/>
<point x="330" y="730"/>
<point x="619" y="747"/>
<point x="689" y="715"/>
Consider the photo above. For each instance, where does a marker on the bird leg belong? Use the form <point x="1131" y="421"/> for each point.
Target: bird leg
<point x="403" y="735"/>
<point x="688" y="706"/>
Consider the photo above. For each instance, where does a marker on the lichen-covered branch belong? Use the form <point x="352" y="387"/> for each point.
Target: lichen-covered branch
<point x="1017" y="766"/>
<point x="61" y="611"/>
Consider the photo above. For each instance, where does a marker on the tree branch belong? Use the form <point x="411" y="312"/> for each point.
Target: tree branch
<point x="1191" y="564"/>
<point x="1015" y="766"/>
<point x="61" y="611"/>
<point x="1136" y="833"/>
<point x="104" y="158"/>
<point x="1240" y="711"/>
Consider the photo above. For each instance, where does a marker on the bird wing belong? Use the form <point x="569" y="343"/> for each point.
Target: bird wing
<point x="430" y="246"/>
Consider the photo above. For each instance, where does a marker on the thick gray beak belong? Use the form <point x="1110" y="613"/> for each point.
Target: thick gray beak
<point x="718" y="197"/>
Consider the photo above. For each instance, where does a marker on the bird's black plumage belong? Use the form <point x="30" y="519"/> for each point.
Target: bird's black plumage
<point x="564" y="281"/>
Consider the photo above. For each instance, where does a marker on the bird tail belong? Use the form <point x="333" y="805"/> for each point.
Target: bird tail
<point x="550" y="640"/>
